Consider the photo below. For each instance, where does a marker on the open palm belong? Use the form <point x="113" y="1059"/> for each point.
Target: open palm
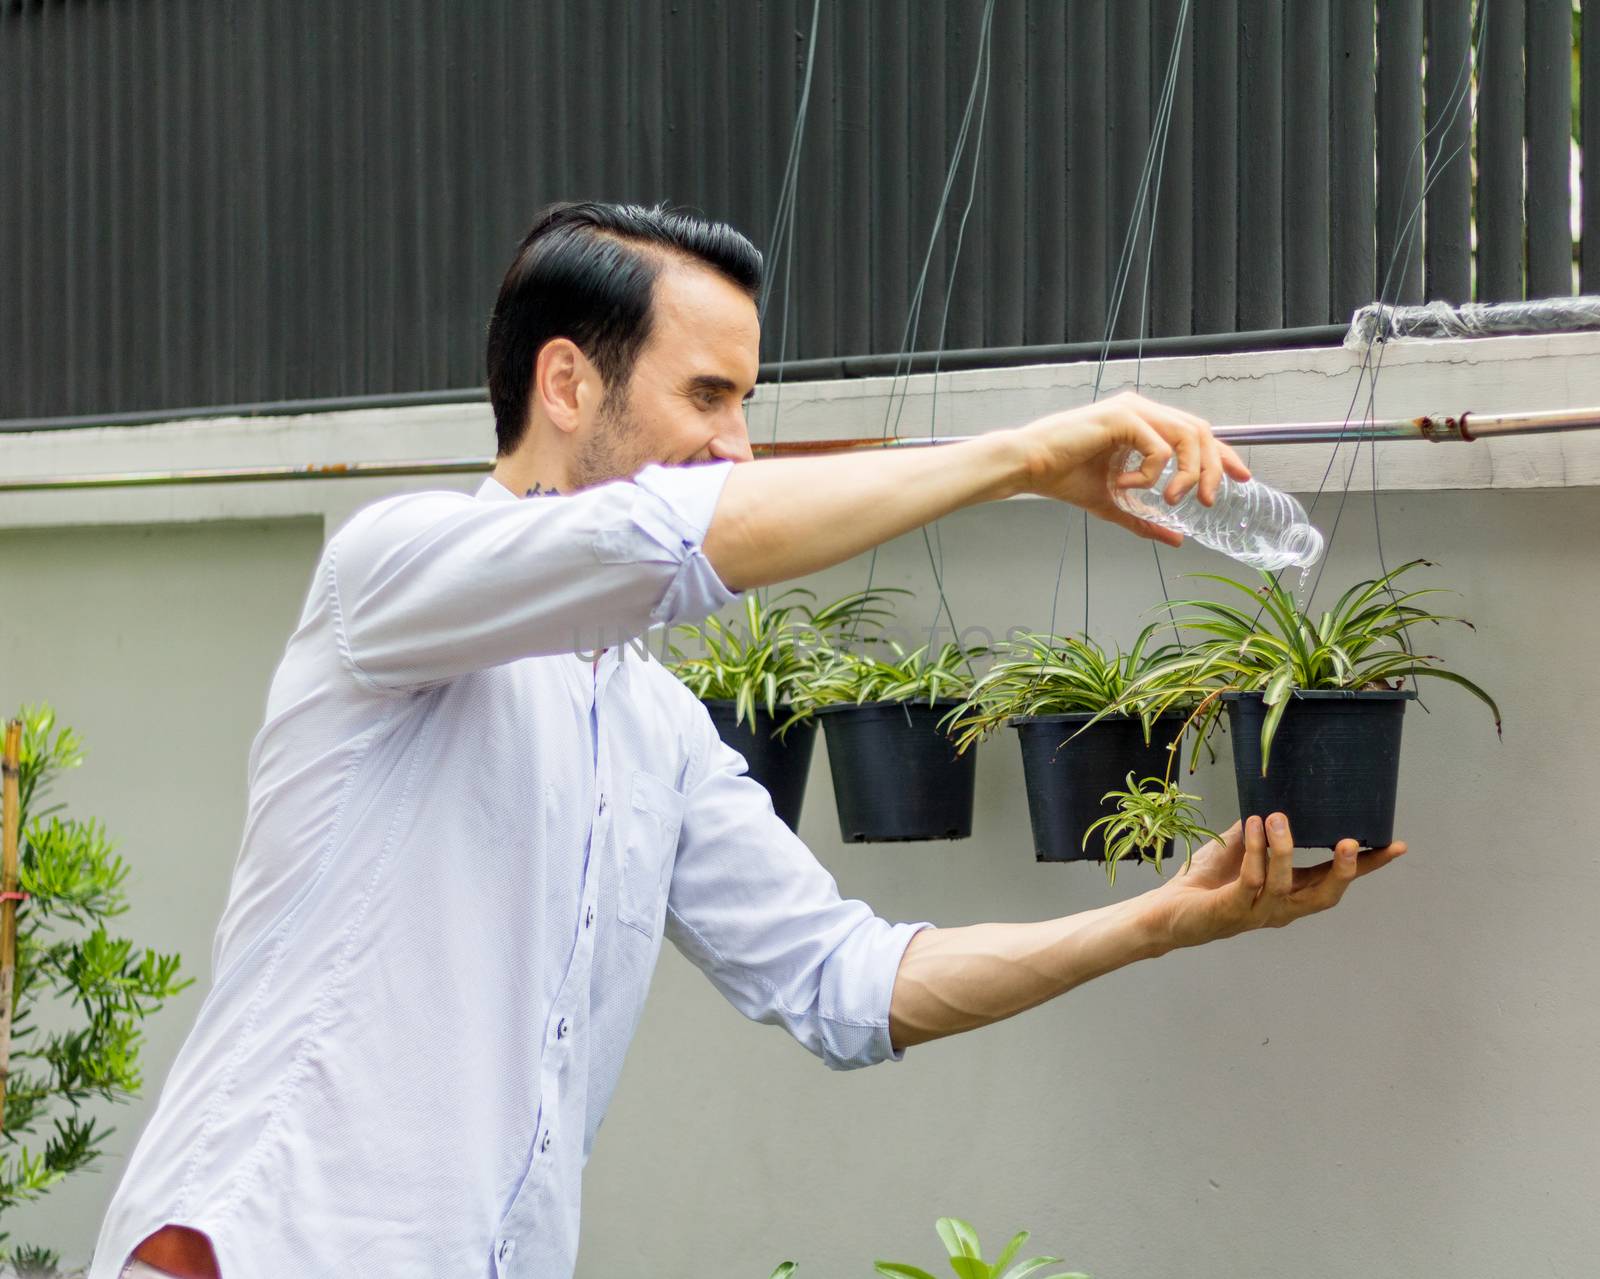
<point x="1249" y="881"/>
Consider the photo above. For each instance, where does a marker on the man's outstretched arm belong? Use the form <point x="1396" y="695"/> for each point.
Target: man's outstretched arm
<point x="781" y="519"/>
<point x="956" y="979"/>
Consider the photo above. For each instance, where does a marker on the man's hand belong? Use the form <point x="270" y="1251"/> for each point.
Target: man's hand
<point x="1072" y="455"/>
<point x="1249" y="881"/>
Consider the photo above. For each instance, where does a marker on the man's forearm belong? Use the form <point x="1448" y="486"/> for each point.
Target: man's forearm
<point x="956" y="979"/>
<point x="787" y="517"/>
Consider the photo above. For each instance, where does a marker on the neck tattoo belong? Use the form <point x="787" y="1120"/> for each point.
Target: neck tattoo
<point x="539" y="490"/>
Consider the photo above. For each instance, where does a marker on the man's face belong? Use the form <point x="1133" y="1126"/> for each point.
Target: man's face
<point x="685" y="401"/>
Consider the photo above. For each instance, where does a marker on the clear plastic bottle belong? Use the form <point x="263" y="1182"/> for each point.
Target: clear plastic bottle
<point x="1255" y="524"/>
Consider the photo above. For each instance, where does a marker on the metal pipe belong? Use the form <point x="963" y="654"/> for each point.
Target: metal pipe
<point x="1433" y="428"/>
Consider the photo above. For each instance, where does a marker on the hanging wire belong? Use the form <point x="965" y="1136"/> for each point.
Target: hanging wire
<point x="936" y="562"/>
<point x="1147" y="196"/>
<point x="1407" y="243"/>
<point x="900" y="377"/>
<point x="781" y="241"/>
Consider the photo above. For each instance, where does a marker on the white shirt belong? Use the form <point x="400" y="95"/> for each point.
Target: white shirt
<point x="464" y="844"/>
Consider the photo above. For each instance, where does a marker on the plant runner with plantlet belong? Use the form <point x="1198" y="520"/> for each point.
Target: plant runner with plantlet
<point x="1064" y="696"/>
<point x="465" y="843"/>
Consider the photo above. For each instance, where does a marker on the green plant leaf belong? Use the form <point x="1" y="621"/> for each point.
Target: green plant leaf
<point x="960" y="1240"/>
<point x="1021" y="1237"/>
<point x="1023" y="1269"/>
<point x="898" y="1270"/>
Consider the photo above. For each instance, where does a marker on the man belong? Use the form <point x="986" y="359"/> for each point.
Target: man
<point x="465" y="843"/>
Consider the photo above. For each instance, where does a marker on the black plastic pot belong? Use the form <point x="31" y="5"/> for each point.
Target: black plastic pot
<point x="896" y="774"/>
<point x="779" y="764"/>
<point x="1066" y="779"/>
<point x="1335" y="769"/>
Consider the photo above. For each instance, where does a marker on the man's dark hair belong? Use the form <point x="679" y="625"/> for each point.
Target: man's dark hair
<point x="587" y="272"/>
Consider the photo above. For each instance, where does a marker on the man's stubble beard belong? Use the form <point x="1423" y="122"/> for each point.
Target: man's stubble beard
<point x="614" y="449"/>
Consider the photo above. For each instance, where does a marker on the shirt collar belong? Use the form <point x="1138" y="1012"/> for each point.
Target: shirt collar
<point x="491" y="490"/>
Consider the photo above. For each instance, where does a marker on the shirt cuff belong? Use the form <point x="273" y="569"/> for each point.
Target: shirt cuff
<point x="882" y="1046"/>
<point x="674" y="509"/>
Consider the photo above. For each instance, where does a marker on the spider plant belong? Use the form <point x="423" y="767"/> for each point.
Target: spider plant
<point x="966" y="1257"/>
<point x="1361" y="643"/>
<point x="1150" y="815"/>
<point x="759" y="665"/>
<point x="1038" y="674"/>
<point x="896" y="773"/>
<point x="842" y="677"/>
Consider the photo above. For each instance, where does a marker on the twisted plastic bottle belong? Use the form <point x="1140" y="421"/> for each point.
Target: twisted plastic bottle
<point x="1252" y="522"/>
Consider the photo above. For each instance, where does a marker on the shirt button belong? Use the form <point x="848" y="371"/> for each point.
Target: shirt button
<point x="602" y="803"/>
<point x="588" y="917"/>
<point x="544" y="1145"/>
<point x="504" y="1249"/>
<point x="561" y="1029"/>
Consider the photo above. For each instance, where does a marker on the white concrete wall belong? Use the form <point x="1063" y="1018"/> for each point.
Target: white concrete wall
<point x="1403" y="1087"/>
<point x="156" y="643"/>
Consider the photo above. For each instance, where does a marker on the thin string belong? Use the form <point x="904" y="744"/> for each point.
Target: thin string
<point x="1407" y="242"/>
<point x="1368" y="371"/>
<point x="900" y="377"/>
<point x="936" y="562"/>
<point x="1146" y="199"/>
<point x="781" y="241"/>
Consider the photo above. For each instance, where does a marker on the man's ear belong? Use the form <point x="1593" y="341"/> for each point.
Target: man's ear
<point x="566" y="386"/>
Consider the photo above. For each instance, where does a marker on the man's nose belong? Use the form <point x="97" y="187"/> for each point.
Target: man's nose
<point x="732" y="443"/>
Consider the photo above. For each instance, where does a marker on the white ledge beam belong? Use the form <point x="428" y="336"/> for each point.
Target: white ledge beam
<point x="1479" y="375"/>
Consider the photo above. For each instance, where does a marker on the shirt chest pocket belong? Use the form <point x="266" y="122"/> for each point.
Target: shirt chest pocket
<point x="653" y="817"/>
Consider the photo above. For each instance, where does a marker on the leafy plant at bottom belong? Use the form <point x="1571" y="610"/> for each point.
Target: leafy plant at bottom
<point x="1150" y="815"/>
<point x="1361" y="643"/>
<point x="966" y="1258"/>
<point x="97" y="987"/>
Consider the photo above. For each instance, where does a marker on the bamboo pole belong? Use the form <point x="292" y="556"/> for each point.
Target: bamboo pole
<point x="12" y="804"/>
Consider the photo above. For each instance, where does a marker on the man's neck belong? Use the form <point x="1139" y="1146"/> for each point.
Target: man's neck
<point x="526" y="477"/>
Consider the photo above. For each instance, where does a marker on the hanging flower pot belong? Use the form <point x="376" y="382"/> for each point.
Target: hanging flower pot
<point x="1062" y="695"/>
<point x="747" y="672"/>
<point x="896" y="773"/>
<point x="1069" y="773"/>
<point x="1315" y="704"/>
<point x="1335" y="763"/>
<point x="781" y="764"/>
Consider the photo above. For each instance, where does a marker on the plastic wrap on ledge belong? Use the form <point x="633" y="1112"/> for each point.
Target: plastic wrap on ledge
<point x="1379" y="322"/>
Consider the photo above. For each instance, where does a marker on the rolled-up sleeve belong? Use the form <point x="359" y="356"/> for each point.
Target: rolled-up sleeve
<point x="752" y="907"/>
<point x="430" y="586"/>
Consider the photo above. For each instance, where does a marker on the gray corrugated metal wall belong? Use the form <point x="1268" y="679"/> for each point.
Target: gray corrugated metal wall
<point x="235" y="201"/>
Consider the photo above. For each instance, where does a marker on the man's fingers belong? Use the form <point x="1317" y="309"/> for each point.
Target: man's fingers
<point x="1280" y="859"/>
<point x="1341" y="873"/>
<point x="1154" y="453"/>
<point x="1211" y="474"/>
<point x="1374" y="858"/>
<point x="1232" y="463"/>
<point x="1253" y="869"/>
<point x="1187" y="447"/>
<point x="1143" y="528"/>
